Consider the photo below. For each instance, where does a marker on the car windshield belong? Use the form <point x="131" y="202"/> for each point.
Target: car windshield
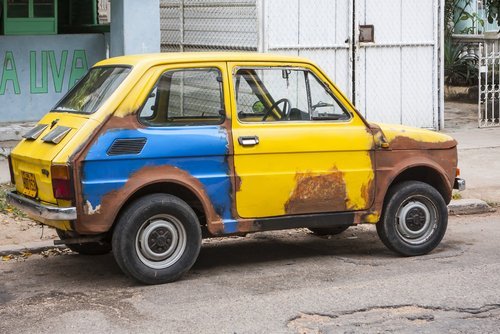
<point x="92" y="90"/>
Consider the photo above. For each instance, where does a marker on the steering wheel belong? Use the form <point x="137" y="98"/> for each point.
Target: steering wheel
<point x="286" y="109"/>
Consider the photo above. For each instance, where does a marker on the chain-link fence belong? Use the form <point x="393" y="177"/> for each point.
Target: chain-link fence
<point x="200" y="25"/>
<point x="320" y="30"/>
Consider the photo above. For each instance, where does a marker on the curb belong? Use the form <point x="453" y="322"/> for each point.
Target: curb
<point x="30" y="247"/>
<point x="468" y="207"/>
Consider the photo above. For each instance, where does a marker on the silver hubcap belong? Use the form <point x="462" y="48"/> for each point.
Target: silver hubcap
<point x="160" y="241"/>
<point x="416" y="220"/>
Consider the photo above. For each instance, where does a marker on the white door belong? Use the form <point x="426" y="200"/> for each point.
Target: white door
<point x="397" y="74"/>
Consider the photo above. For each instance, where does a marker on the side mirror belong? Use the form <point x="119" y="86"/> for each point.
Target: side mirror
<point x="258" y="107"/>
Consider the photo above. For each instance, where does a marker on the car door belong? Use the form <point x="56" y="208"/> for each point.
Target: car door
<point x="297" y="148"/>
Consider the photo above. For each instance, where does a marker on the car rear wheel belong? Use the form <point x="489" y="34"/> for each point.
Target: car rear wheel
<point x="157" y="239"/>
<point x="89" y="248"/>
<point x="333" y="230"/>
<point x="414" y="219"/>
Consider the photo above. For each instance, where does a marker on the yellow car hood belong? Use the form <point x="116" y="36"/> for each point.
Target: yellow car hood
<point x="400" y="137"/>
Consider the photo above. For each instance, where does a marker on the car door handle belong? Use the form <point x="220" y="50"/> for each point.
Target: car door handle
<point x="248" y="140"/>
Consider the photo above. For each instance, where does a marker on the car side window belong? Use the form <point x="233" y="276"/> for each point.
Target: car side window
<point x="323" y="104"/>
<point x="185" y="97"/>
<point x="284" y="94"/>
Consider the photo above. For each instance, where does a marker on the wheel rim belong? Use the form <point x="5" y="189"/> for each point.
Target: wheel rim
<point x="160" y="241"/>
<point x="416" y="220"/>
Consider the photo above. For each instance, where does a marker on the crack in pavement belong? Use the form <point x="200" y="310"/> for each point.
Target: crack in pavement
<point x="117" y="310"/>
<point x="392" y="317"/>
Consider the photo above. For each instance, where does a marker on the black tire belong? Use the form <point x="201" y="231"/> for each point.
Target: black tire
<point x="157" y="239"/>
<point x="333" y="230"/>
<point x="90" y="248"/>
<point x="414" y="218"/>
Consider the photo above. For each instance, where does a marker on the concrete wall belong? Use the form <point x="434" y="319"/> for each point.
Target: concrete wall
<point x="135" y="27"/>
<point x="36" y="71"/>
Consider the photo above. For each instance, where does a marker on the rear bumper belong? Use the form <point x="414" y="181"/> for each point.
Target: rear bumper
<point x="39" y="211"/>
<point x="459" y="184"/>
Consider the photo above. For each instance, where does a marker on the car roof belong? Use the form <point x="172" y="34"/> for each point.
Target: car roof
<point x="186" y="57"/>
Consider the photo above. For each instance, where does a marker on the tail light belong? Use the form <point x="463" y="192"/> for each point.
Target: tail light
<point x="11" y="169"/>
<point x="457" y="172"/>
<point x="61" y="182"/>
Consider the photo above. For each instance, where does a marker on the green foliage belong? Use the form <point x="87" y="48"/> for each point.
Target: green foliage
<point x="492" y="10"/>
<point x="460" y="64"/>
<point x="474" y="18"/>
<point x="449" y="17"/>
<point x="4" y="207"/>
<point x="458" y="10"/>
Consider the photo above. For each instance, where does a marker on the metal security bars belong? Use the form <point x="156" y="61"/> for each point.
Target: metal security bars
<point x="489" y="85"/>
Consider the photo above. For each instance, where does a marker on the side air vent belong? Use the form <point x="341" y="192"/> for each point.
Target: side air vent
<point x="127" y="146"/>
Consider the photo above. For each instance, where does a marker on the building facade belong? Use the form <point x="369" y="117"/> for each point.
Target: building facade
<point x="385" y="55"/>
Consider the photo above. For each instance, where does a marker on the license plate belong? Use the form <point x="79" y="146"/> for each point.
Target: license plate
<point x="30" y="189"/>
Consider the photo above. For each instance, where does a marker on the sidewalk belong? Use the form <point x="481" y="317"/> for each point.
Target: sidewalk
<point x="478" y="152"/>
<point x="479" y="162"/>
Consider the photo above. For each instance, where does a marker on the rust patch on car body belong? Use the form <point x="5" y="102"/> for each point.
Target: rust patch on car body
<point x="101" y="220"/>
<point x="110" y="123"/>
<point x="318" y="193"/>
<point x="392" y="158"/>
<point x="368" y="191"/>
<point x="392" y="163"/>
<point x="379" y="139"/>
<point x="234" y="178"/>
<point x="407" y="143"/>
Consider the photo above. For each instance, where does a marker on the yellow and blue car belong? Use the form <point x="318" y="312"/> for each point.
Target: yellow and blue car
<point x="148" y="154"/>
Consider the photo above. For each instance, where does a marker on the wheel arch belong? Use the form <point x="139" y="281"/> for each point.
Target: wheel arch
<point x="183" y="191"/>
<point x="160" y="179"/>
<point x="426" y="174"/>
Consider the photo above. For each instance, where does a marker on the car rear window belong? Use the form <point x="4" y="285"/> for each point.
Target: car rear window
<point x="92" y="90"/>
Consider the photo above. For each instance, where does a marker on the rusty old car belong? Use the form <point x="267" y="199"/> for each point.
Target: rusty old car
<point x="148" y="154"/>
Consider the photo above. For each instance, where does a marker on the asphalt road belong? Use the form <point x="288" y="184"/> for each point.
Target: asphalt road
<point x="288" y="281"/>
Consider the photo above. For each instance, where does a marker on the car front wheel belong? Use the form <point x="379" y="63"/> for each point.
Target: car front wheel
<point x="157" y="239"/>
<point x="414" y="218"/>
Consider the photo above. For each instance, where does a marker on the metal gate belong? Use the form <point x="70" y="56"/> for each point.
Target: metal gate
<point x="393" y="78"/>
<point x="489" y="87"/>
<point x="396" y="78"/>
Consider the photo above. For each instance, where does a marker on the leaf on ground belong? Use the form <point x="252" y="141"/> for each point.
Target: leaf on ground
<point x="26" y="254"/>
<point x="7" y="257"/>
<point x="55" y="252"/>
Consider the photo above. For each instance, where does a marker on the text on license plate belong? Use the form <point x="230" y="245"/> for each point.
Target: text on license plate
<point x="29" y="184"/>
